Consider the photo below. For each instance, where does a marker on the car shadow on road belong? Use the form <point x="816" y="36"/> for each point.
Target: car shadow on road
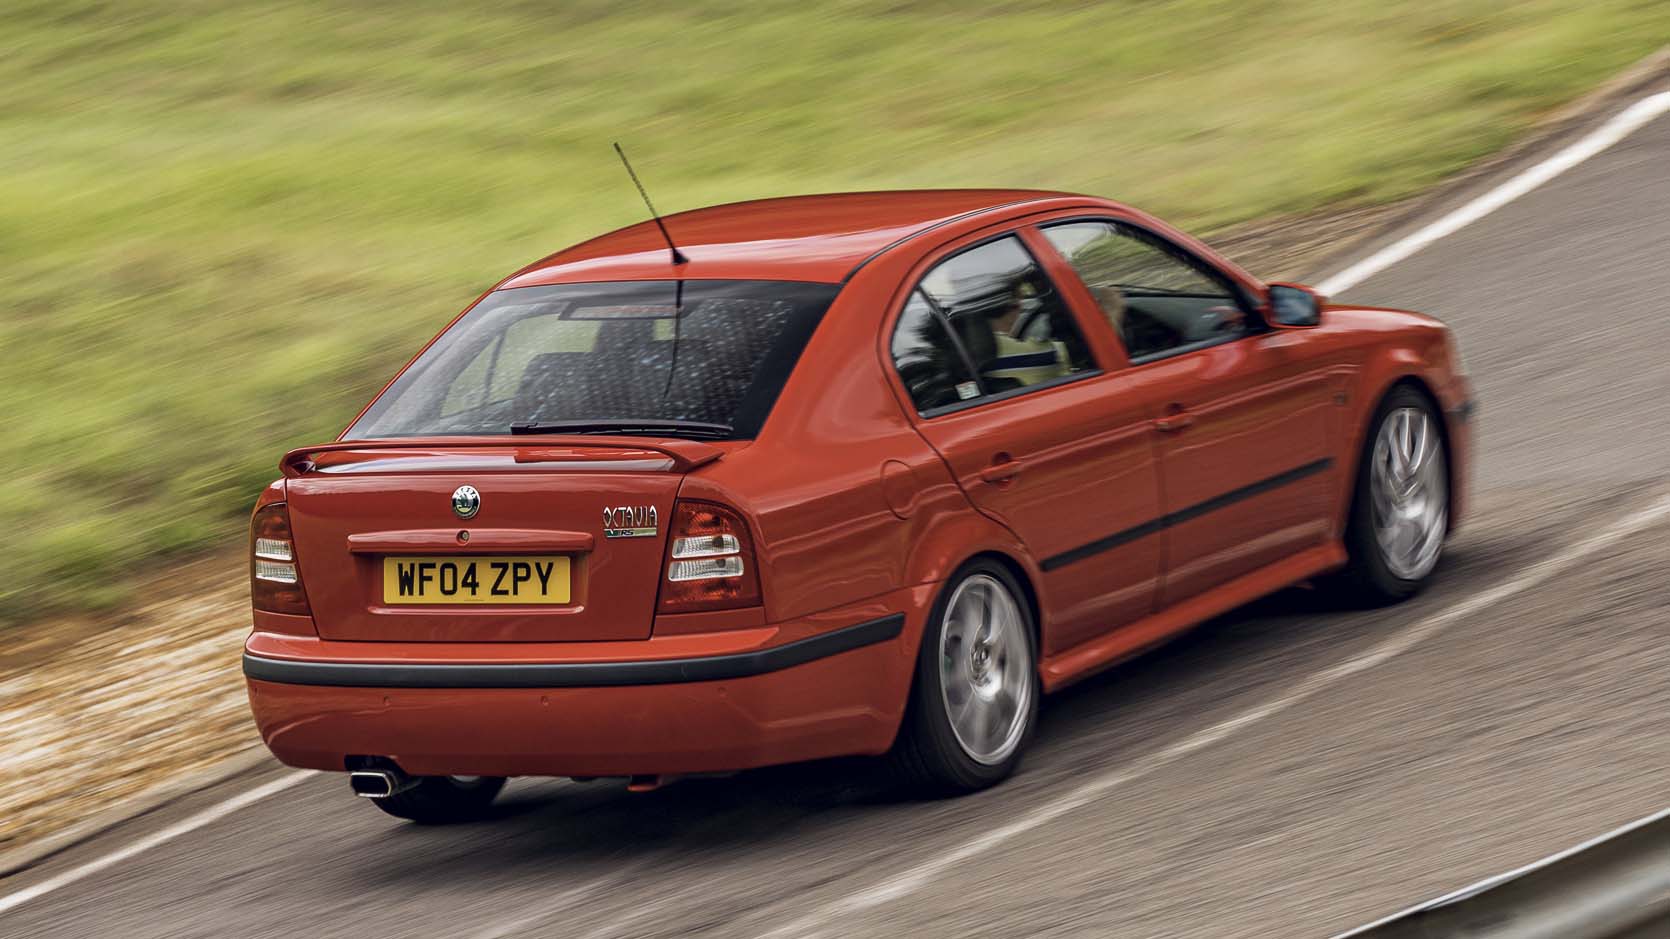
<point x="1150" y="700"/>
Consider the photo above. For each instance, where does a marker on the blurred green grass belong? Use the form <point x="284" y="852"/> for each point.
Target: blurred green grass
<point x="224" y="224"/>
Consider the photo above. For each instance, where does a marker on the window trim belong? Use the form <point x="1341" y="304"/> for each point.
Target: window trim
<point x="1181" y="253"/>
<point x="1013" y="232"/>
<point x="1045" y="385"/>
<point x="1189" y="347"/>
<point x="1166" y="244"/>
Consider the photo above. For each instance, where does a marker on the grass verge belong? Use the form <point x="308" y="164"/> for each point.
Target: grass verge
<point x="226" y="223"/>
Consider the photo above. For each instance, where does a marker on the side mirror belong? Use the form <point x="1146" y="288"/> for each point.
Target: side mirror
<point x="1294" y="306"/>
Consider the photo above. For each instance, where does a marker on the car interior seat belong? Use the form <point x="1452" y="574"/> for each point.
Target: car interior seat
<point x="980" y="340"/>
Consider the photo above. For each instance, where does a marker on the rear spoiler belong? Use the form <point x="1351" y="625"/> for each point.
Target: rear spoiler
<point x="685" y="454"/>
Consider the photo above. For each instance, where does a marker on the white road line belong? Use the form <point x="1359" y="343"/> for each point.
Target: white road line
<point x="1617" y="128"/>
<point x="915" y="878"/>
<point x="1602" y="137"/>
<point x="209" y="815"/>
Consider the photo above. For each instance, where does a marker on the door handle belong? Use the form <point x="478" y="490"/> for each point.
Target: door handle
<point x="1176" y="418"/>
<point x="1003" y="470"/>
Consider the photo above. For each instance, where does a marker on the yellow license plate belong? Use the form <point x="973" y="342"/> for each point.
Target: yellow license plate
<point x="482" y="579"/>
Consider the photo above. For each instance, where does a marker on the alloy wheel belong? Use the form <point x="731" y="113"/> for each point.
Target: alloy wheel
<point x="1409" y="488"/>
<point x="985" y="669"/>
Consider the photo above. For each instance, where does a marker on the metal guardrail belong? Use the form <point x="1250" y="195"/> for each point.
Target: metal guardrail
<point x="1616" y="886"/>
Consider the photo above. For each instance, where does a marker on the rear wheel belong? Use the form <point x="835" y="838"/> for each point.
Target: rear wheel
<point x="975" y="698"/>
<point x="1400" y="513"/>
<point x="439" y="800"/>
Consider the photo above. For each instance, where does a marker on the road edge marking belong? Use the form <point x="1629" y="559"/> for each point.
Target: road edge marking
<point x="915" y="878"/>
<point x="1615" y="129"/>
<point x="161" y="836"/>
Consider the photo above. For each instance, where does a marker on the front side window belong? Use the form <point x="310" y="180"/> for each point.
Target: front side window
<point x="985" y="322"/>
<point x="709" y="352"/>
<point x="1159" y="302"/>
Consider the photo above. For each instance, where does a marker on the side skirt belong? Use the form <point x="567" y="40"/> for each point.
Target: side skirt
<point x="1086" y="659"/>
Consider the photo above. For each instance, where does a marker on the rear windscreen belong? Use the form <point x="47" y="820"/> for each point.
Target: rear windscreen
<point x="715" y="351"/>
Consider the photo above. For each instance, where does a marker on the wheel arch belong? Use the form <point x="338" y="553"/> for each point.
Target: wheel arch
<point x="1357" y="451"/>
<point x="1012" y="560"/>
<point x="917" y="749"/>
<point x="1029" y="591"/>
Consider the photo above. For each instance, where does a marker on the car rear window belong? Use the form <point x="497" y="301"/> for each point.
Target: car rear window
<point x="714" y="351"/>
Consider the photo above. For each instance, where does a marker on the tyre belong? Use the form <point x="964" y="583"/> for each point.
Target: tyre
<point x="439" y="800"/>
<point x="974" y="702"/>
<point x="1400" y="510"/>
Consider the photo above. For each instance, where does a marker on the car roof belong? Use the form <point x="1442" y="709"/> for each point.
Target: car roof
<point x="815" y="238"/>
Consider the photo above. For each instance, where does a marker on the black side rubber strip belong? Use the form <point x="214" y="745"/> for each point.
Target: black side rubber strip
<point x="1104" y="544"/>
<point x="574" y="674"/>
<point x="1183" y="515"/>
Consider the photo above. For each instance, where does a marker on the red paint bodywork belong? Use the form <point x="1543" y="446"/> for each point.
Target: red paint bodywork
<point x="857" y="506"/>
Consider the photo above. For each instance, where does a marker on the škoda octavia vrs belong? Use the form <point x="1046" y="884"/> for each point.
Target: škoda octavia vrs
<point x="847" y="474"/>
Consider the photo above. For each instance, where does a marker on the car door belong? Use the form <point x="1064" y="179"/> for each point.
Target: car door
<point x="1032" y="424"/>
<point x="1243" y="418"/>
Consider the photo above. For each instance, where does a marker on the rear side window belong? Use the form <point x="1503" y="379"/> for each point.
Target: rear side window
<point x="934" y="370"/>
<point x="712" y="351"/>
<point x="986" y="322"/>
<point x="1160" y="302"/>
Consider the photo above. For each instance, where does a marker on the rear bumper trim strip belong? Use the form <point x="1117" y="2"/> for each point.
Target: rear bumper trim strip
<point x="573" y="674"/>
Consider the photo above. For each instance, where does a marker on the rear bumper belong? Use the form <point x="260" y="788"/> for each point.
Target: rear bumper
<point x="828" y="692"/>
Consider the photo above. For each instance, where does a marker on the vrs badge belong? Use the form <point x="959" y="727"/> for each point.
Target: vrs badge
<point x="629" y="521"/>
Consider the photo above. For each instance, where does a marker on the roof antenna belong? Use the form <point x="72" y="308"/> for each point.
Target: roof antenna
<point x="678" y="256"/>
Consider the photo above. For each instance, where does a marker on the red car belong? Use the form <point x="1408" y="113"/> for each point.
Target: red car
<point x="846" y="474"/>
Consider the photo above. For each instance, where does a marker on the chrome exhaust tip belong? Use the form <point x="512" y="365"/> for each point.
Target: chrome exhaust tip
<point x="379" y="783"/>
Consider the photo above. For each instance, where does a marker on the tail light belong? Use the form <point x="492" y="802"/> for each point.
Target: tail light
<point x="710" y="561"/>
<point x="275" y="583"/>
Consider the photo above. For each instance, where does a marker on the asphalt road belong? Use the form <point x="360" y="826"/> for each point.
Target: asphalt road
<point x="1278" y="773"/>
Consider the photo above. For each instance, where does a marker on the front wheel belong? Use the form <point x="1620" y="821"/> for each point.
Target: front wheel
<point x="975" y="698"/>
<point x="1400" y="512"/>
<point x="440" y="800"/>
